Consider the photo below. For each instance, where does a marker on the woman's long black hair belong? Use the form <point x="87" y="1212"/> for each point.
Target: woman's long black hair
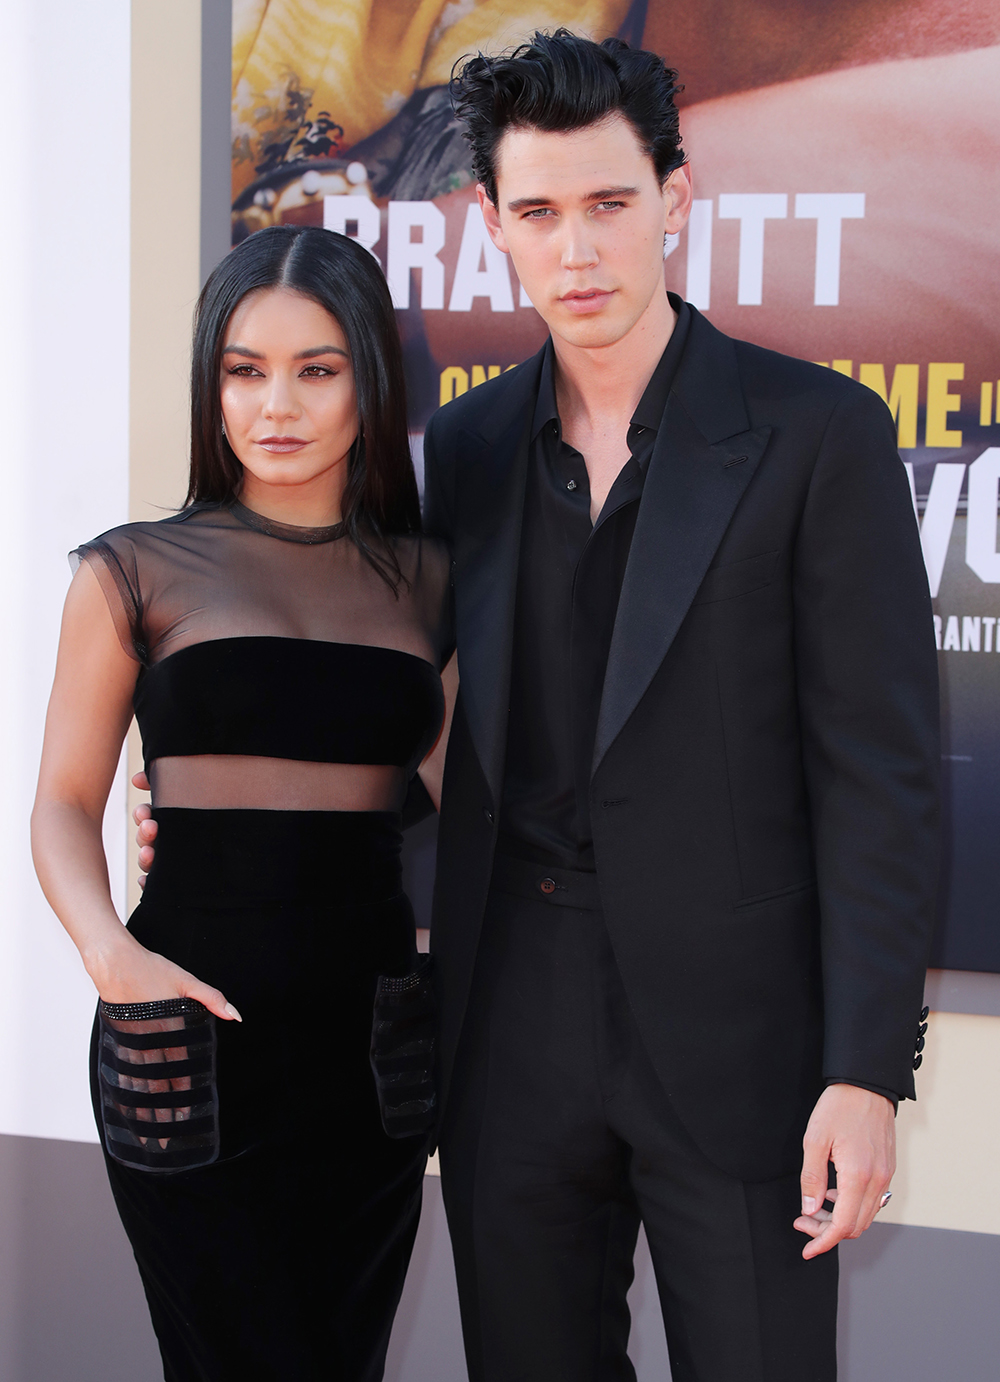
<point x="380" y="497"/>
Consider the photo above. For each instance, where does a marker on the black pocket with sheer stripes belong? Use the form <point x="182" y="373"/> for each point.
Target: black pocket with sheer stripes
<point x="158" y="1095"/>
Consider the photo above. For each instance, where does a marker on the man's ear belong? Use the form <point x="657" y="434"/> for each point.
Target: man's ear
<point x="678" y="194"/>
<point x="492" y="218"/>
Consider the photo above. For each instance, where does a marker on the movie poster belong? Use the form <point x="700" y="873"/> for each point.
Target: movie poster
<point x="847" y="211"/>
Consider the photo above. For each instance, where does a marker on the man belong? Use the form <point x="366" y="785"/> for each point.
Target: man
<point x="687" y="853"/>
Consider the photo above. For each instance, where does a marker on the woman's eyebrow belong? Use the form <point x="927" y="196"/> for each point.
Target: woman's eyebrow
<point x="309" y="354"/>
<point x="321" y="350"/>
<point x="241" y="350"/>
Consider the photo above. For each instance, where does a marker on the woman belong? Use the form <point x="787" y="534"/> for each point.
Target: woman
<point x="280" y="641"/>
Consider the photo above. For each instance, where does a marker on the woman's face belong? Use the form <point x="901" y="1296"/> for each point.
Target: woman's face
<point x="288" y="396"/>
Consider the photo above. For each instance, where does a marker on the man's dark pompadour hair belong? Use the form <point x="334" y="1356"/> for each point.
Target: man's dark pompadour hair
<point x="559" y="82"/>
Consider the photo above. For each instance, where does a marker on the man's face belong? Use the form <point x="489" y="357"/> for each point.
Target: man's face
<point x="583" y="217"/>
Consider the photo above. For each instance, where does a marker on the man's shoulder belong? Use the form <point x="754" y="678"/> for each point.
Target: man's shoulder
<point x="769" y="377"/>
<point x="772" y="379"/>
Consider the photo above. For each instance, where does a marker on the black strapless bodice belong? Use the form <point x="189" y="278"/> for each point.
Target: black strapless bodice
<point x="293" y="698"/>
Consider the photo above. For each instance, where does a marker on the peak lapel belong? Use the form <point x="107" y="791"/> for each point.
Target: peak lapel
<point x="491" y="488"/>
<point x="704" y="458"/>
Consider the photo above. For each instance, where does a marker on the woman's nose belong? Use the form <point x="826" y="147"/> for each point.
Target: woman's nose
<point x="280" y="400"/>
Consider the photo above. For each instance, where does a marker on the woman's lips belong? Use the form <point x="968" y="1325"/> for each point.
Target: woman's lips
<point x="590" y="301"/>
<point x="282" y="445"/>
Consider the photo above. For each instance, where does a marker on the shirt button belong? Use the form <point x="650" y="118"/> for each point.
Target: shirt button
<point x="571" y="484"/>
<point x="548" y="885"/>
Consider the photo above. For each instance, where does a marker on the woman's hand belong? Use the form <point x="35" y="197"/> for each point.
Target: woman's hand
<point x="128" y="973"/>
<point x="145" y="835"/>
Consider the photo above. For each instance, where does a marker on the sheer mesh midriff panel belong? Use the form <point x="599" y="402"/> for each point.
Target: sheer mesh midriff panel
<point x="230" y="782"/>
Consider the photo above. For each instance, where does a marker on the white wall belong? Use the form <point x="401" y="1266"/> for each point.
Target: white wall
<point x="64" y="380"/>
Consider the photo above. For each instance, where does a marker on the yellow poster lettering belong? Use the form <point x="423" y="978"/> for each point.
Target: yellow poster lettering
<point x="454" y="381"/>
<point x="902" y="398"/>
<point x="940" y="403"/>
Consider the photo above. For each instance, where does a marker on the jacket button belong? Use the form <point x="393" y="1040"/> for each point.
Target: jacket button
<point x="488" y="814"/>
<point x="917" y="1062"/>
<point x="924" y="1012"/>
<point x="920" y="1044"/>
<point x="548" y="885"/>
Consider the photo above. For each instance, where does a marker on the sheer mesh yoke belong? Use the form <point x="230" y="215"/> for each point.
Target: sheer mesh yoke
<point x="278" y="670"/>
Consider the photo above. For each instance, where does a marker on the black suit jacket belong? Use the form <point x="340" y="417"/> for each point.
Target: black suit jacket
<point x="765" y="777"/>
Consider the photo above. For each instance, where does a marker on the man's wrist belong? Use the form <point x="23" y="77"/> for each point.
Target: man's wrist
<point x="889" y="1094"/>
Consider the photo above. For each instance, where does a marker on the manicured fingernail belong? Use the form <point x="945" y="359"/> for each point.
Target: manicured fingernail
<point x="231" y="1011"/>
<point x="808" y="1204"/>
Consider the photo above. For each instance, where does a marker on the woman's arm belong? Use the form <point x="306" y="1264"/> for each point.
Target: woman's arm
<point x="431" y="770"/>
<point x="88" y="716"/>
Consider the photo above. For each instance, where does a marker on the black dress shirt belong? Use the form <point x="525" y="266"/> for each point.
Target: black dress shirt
<point x="569" y="581"/>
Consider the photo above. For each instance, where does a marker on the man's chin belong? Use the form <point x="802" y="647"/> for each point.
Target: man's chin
<point x="591" y="332"/>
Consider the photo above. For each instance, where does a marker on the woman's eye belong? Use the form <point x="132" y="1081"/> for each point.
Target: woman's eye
<point x="318" y="372"/>
<point x="242" y="371"/>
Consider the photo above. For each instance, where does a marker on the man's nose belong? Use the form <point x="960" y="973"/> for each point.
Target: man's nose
<point x="579" y="249"/>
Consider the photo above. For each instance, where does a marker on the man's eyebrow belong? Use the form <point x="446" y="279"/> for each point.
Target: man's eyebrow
<point x="606" y="194"/>
<point x="603" y="194"/>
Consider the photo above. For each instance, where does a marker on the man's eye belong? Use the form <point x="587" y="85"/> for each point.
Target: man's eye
<point x="609" y="206"/>
<point x="538" y="213"/>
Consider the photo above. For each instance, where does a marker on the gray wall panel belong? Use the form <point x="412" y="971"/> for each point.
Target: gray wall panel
<point x="920" y="1305"/>
<point x="216" y="131"/>
<point x="917" y="1305"/>
<point x="71" y="1306"/>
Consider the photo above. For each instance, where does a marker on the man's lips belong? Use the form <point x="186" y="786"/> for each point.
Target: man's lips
<point x="281" y="445"/>
<point x="586" y="300"/>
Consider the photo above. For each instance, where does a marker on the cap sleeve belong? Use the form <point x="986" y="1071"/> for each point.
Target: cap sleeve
<point x="112" y="558"/>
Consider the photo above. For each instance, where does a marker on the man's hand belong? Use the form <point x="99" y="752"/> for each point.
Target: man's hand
<point x="856" y="1130"/>
<point x="146" y="834"/>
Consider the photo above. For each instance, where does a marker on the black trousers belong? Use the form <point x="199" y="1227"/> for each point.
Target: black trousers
<point x="559" y="1141"/>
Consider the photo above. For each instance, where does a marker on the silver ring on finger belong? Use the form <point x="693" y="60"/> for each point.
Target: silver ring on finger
<point x="887" y="1196"/>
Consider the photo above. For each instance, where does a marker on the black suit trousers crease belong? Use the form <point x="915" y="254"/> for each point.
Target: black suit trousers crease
<point x="559" y="1141"/>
